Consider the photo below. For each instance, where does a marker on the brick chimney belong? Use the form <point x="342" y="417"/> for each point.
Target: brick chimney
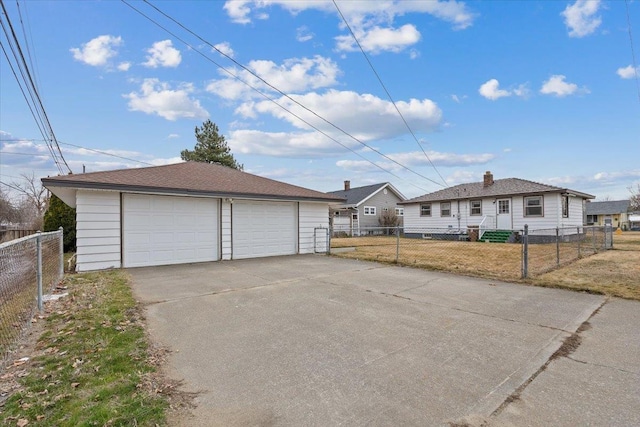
<point x="347" y="185"/>
<point x="488" y="179"/>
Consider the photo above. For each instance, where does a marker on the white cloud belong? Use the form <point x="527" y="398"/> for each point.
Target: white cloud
<point x="156" y="97"/>
<point x="581" y="18"/>
<point x="628" y="72"/>
<point x="557" y="86"/>
<point x="124" y="66"/>
<point x="173" y="136"/>
<point x="294" y="75"/>
<point x="371" y="21"/>
<point x="377" y="39"/>
<point x="364" y="116"/>
<point x="163" y="54"/>
<point x="225" y="48"/>
<point x="417" y="159"/>
<point x="98" y="51"/>
<point x="283" y="144"/>
<point x="303" y="34"/>
<point x="490" y="90"/>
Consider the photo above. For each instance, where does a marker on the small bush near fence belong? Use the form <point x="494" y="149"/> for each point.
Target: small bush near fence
<point x="19" y="276"/>
<point x="529" y="253"/>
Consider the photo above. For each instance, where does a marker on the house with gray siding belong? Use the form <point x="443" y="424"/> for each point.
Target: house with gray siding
<point x="365" y="207"/>
<point x="615" y="211"/>
<point x="500" y="204"/>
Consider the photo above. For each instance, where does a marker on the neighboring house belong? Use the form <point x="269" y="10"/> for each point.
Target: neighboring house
<point x="188" y="212"/>
<point x="364" y="207"/>
<point x="616" y="211"/>
<point x="502" y="204"/>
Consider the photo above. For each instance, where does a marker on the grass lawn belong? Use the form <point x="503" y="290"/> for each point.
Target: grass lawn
<point x="90" y="364"/>
<point x="614" y="272"/>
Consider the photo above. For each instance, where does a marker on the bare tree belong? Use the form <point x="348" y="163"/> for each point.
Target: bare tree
<point x="8" y="212"/>
<point x="34" y="202"/>
<point x="634" y="200"/>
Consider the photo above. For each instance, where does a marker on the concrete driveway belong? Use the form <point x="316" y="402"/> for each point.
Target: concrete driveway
<point x="316" y="340"/>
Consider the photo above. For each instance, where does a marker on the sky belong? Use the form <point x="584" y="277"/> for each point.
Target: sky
<point x="421" y="94"/>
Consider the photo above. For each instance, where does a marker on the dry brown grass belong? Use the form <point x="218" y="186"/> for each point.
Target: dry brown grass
<point x="615" y="272"/>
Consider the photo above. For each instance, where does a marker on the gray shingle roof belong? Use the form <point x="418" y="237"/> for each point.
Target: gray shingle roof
<point x="499" y="188"/>
<point x="357" y="194"/>
<point x="193" y="178"/>
<point x="607" y="208"/>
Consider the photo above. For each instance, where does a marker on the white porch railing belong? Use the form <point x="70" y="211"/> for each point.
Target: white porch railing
<point x="487" y="223"/>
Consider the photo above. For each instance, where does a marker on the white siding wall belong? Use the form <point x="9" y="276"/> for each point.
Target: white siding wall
<point x="97" y="230"/>
<point x="576" y="218"/>
<point x="550" y="219"/>
<point x="225" y="232"/>
<point x="310" y="216"/>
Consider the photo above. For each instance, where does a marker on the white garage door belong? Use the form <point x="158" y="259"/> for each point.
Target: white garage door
<point x="263" y="229"/>
<point x="159" y="230"/>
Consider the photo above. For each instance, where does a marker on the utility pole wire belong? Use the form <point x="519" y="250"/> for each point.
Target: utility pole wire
<point x="277" y="90"/>
<point x="387" y="92"/>
<point x="636" y="70"/>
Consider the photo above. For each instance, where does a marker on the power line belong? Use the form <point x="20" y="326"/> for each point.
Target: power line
<point x="27" y="79"/>
<point x="277" y="90"/>
<point x="636" y="70"/>
<point x="267" y="97"/>
<point x="387" y="92"/>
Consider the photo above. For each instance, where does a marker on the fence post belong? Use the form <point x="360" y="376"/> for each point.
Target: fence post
<point x="579" y="240"/>
<point x="61" y="270"/>
<point x="557" y="246"/>
<point x="593" y="239"/>
<point x="39" y="268"/>
<point x="525" y="251"/>
<point x="397" y="243"/>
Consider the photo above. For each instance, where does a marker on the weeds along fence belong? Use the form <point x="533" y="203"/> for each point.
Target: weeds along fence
<point x="505" y="255"/>
<point x="29" y="267"/>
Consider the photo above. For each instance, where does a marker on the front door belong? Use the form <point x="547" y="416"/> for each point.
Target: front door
<point x="504" y="214"/>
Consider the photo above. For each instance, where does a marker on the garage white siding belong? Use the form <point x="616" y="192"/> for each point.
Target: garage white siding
<point x="160" y="230"/>
<point x="97" y="230"/>
<point x="261" y="228"/>
<point x="312" y="216"/>
<point x="225" y="221"/>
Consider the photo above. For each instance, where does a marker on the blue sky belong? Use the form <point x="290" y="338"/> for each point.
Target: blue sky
<point x="539" y="90"/>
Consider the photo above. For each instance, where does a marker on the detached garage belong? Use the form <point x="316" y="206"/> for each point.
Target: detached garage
<point x="187" y="212"/>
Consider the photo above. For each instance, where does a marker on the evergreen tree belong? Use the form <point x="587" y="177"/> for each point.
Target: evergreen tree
<point x="57" y="215"/>
<point x="210" y="148"/>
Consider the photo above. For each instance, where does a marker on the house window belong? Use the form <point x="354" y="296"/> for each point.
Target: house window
<point x="445" y="209"/>
<point x="592" y="219"/>
<point x="503" y="206"/>
<point x="399" y="211"/>
<point x="369" y="210"/>
<point x="533" y="206"/>
<point x="425" y="209"/>
<point x="476" y="207"/>
<point x="565" y="206"/>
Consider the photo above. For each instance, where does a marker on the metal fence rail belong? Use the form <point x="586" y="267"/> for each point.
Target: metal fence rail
<point x="29" y="266"/>
<point x="522" y="253"/>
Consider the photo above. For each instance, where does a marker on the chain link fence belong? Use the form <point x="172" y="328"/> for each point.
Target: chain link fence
<point x="504" y="255"/>
<point x="29" y="266"/>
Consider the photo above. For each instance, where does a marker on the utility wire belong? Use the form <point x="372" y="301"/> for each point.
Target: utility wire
<point x="267" y="97"/>
<point x="277" y="90"/>
<point x="56" y="153"/>
<point x="636" y="69"/>
<point x="26" y="42"/>
<point x="387" y="92"/>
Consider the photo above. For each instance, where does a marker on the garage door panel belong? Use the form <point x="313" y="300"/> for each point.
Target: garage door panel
<point x="169" y="230"/>
<point x="264" y="229"/>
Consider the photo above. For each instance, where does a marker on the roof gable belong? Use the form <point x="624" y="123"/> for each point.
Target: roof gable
<point x="499" y="188"/>
<point x="192" y="178"/>
<point x="356" y="196"/>
<point x="608" y="207"/>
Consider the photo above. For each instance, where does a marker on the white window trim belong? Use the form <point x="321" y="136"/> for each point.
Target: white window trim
<point x="541" y="206"/>
<point x="370" y="210"/>
<point x="430" y="209"/>
<point x="400" y="211"/>
<point x="443" y="210"/>
<point x="471" y="208"/>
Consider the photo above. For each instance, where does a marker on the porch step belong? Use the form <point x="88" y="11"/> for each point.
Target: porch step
<point x="496" y="236"/>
